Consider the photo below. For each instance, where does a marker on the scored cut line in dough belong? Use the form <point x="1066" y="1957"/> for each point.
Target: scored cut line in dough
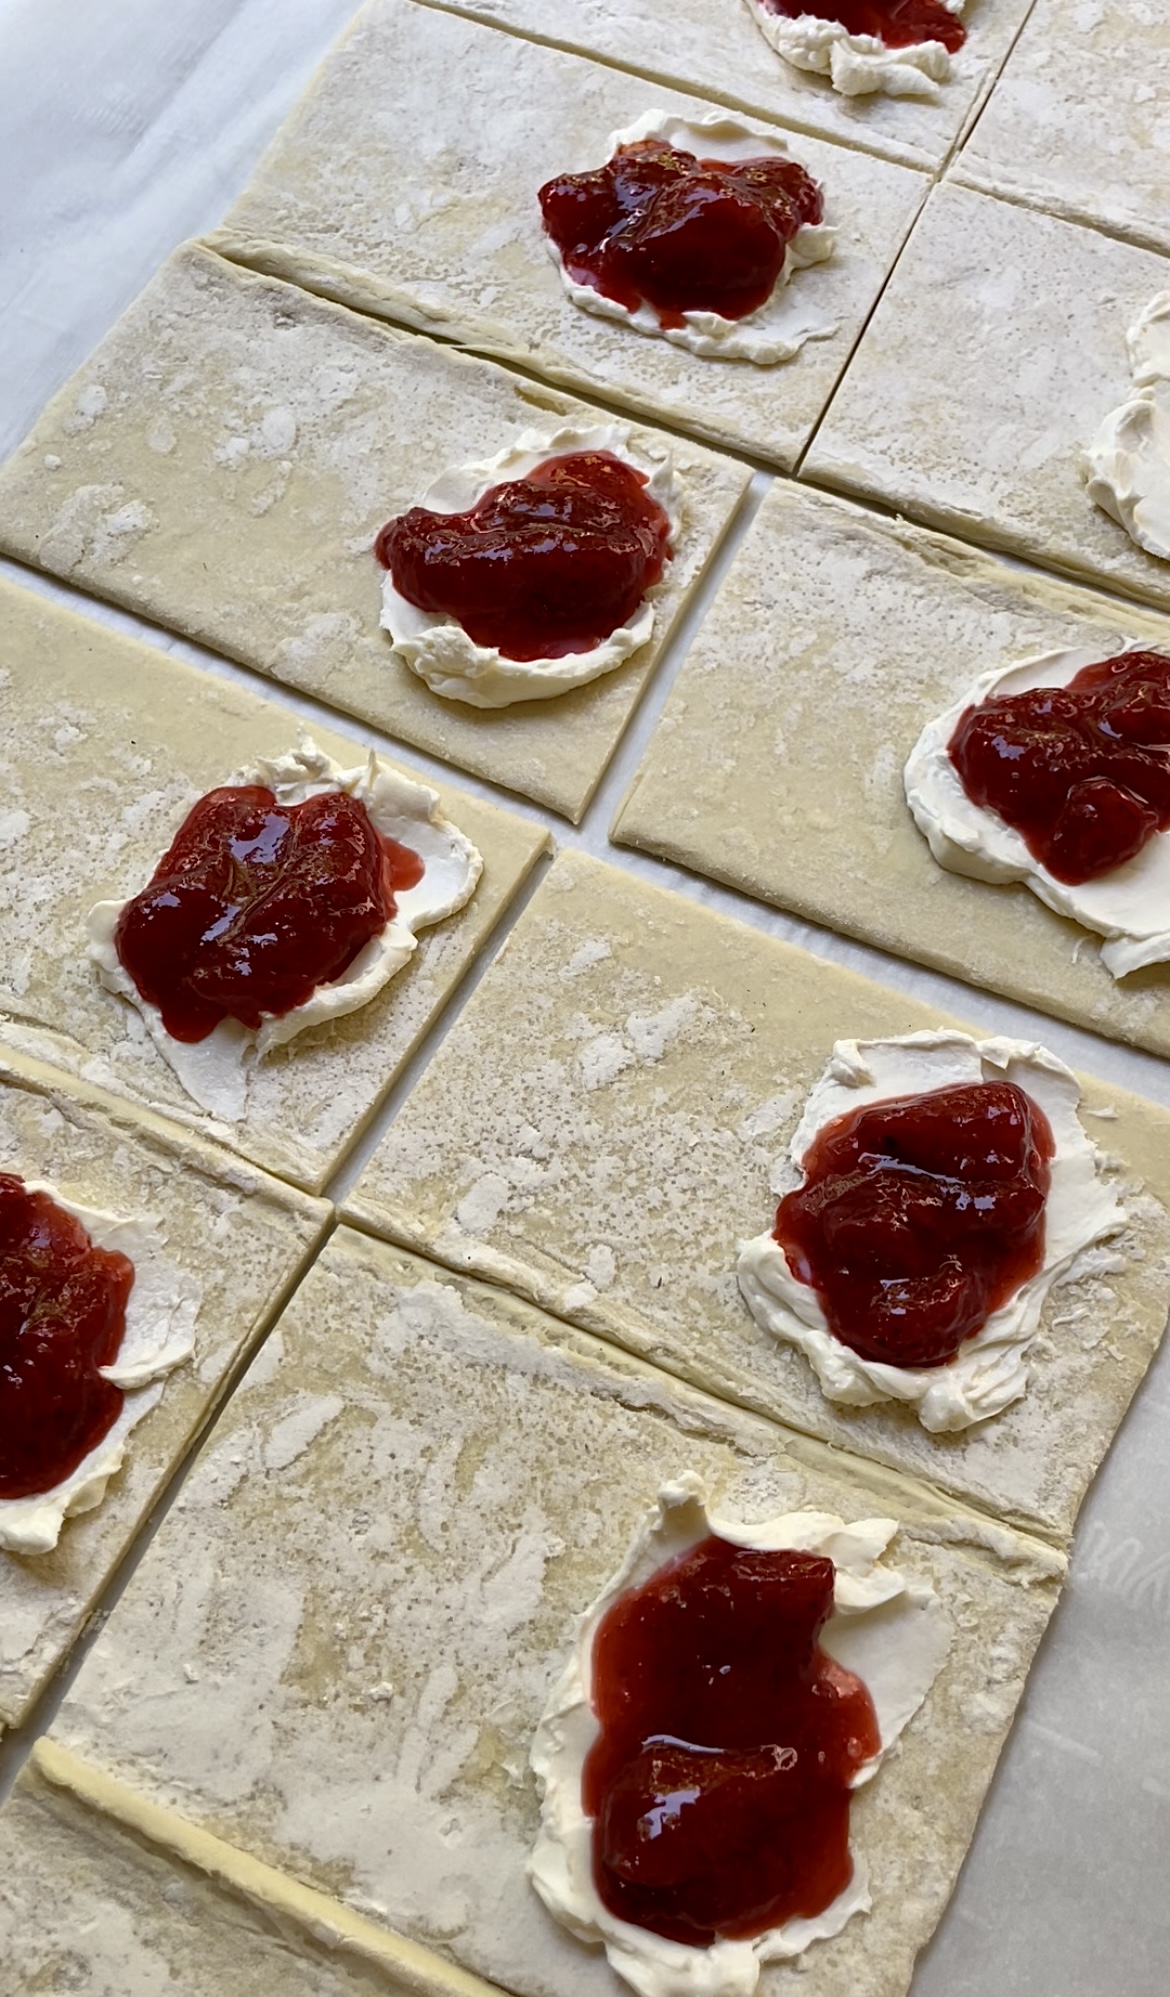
<point x="995" y="352"/>
<point x="1075" y="122"/>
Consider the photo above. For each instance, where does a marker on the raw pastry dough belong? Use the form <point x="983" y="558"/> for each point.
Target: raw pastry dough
<point x="717" y="52"/>
<point x="223" y="464"/>
<point x="336" y="1650"/>
<point x="368" y="197"/>
<point x="609" y="1119"/>
<point x="875" y="627"/>
<point x="993" y="354"/>
<point x="237" y="1236"/>
<point x="106" y="743"/>
<point x="1076" y="121"/>
<point x="98" y="1884"/>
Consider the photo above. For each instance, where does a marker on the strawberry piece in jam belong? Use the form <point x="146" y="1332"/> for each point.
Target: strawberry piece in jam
<point x="62" y="1317"/>
<point x="657" y="226"/>
<point x="256" y="904"/>
<point x="719" y="1784"/>
<point x="899" y="24"/>
<point x="1081" y="772"/>
<point x="539" y="567"/>
<point x="919" y="1217"/>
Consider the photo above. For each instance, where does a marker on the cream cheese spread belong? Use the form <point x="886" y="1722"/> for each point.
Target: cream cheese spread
<point x="1130" y="906"/>
<point x="215" y="1071"/>
<point x="856" y="65"/>
<point x="777" y="329"/>
<point x="1129" y="459"/>
<point x="888" y="1629"/>
<point x="159" y="1335"/>
<point x="436" y="647"/>
<point x="990" y="1370"/>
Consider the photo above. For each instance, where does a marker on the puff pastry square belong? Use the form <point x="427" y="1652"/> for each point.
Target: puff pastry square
<point x="223" y="464"/>
<point x="718" y="52"/>
<point x="242" y="1236"/>
<point x="418" y="1486"/>
<point x="420" y="205"/>
<point x="600" y="1131"/>
<point x="107" y="744"/>
<point x="873" y="628"/>
<point x="996" y="352"/>
<point x="1076" y="121"/>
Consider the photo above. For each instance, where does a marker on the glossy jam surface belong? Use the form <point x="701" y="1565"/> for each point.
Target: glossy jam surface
<point x="1081" y="772"/>
<point x="920" y="1216"/>
<point x="897" y="23"/>
<point x="62" y="1316"/>
<point x="657" y="226"/>
<point x="719" y="1783"/>
<point x="541" y="566"/>
<point x="256" y="904"/>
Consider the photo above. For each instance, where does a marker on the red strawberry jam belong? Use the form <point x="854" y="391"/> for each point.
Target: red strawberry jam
<point x="1081" y="772"/>
<point x="897" y="23"/>
<point x="62" y="1316"/>
<point x="256" y="904"/>
<point x="919" y="1217"/>
<point x="659" y="227"/>
<point x="541" y="566"/>
<point x="719" y="1784"/>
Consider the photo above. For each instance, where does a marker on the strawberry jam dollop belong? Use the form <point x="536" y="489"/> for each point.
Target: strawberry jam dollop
<point x="719" y="1783"/>
<point x="62" y="1317"/>
<point x="1081" y="772"/>
<point x="541" y="566"/>
<point x="919" y="1217"/>
<point x="257" y="903"/>
<point x="900" y="24"/>
<point x="657" y="226"/>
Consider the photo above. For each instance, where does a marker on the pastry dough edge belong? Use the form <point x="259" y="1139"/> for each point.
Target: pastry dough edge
<point x="328" y="1922"/>
<point x="837" y="477"/>
<point x="371" y="298"/>
<point x="979" y="178"/>
<point x="122" y="1117"/>
<point x="880" y="145"/>
<point x="1012" y="1540"/>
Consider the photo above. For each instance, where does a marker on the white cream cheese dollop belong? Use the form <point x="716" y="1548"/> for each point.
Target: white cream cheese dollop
<point x="159" y="1335"/>
<point x="990" y="1370"/>
<point x="1129" y="459"/>
<point x="436" y="647"/>
<point x="215" y="1071"/>
<point x="777" y="329"/>
<point x="856" y="65"/>
<point x="1130" y="906"/>
<point x="889" y="1630"/>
